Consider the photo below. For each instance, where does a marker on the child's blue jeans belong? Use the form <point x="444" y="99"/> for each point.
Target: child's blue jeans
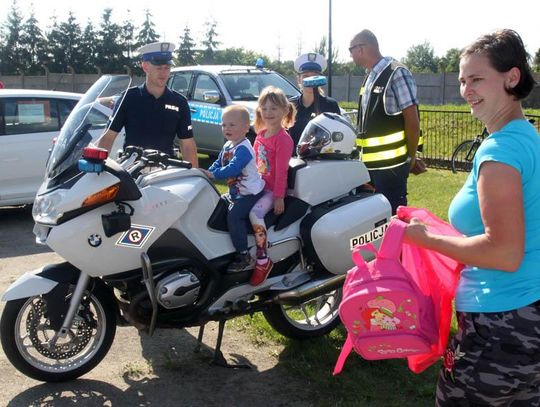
<point x="237" y="219"/>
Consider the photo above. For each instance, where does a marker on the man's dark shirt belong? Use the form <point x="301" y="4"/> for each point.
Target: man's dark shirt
<point x="305" y="114"/>
<point x="150" y="122"/>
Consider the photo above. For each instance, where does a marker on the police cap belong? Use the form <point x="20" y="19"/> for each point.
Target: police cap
<point x="157" y="53"/>
<point x="310" y="62"/>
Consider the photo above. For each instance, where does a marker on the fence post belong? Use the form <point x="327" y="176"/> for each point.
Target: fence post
<point x="71" y="71"/>
<point x="443" y="87"/>
<point x="46" y="69"/>
<point x="348" y="95"/>
<point x="21" y="74"/>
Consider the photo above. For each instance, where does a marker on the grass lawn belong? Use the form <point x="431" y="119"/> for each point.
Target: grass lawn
<point x="363" y="383"/>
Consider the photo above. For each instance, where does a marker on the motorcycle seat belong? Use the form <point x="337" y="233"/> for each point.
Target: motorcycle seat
<point x="294" y="210"/>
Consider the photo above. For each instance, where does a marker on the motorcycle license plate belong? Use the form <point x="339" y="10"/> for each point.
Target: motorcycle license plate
<point x="370" y="236"/>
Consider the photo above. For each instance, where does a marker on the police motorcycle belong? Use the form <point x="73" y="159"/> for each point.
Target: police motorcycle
<point x="145" y="243"/>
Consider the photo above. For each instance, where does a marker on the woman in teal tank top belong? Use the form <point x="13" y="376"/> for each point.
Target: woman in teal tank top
<point x="494" y="359"/>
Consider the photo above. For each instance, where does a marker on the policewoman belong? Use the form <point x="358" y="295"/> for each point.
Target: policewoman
<point x="307" y="65"/>
<point x="388" y="121"/>
<point x="152" y="114"/>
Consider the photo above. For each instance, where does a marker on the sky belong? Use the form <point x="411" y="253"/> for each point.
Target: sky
<point x="282" y="28"/>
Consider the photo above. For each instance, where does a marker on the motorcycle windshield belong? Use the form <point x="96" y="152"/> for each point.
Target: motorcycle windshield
<point x="75" y="135"/>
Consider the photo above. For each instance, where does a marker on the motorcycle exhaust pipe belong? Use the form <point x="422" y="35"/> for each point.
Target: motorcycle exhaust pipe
<point x="309" y="290"/>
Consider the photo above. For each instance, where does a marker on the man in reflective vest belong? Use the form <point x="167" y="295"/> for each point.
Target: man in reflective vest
<point x="388" y="120"/>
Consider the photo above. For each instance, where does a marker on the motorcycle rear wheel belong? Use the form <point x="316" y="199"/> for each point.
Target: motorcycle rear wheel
<point x="26" y="333"/>
<point x="311" y="319"/>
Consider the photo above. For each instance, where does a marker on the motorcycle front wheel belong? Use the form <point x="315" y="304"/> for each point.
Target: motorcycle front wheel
<point x="27" y="337"/>
<point x="311" y="319"/>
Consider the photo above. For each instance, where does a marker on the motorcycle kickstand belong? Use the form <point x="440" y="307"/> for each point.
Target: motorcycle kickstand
<point x="219" y="359"/>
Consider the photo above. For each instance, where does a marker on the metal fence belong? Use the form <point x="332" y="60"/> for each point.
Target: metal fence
<point x="443" y="131"/>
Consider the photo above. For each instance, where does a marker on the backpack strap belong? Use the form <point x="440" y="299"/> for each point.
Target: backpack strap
<point x="390" y="247"/>
<point x="345" y="352"/>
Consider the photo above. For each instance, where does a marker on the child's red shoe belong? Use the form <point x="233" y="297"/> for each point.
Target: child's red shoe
<point x="261" y="272"/>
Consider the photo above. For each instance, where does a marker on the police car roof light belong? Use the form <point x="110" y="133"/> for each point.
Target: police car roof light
<point x="260" y="63"/>
<point x="95" y="153"/>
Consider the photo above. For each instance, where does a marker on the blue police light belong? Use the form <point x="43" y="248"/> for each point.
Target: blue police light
<point x="314" y="81"/>
<point x="260" y="63"/>
<point x="90" y="166"/>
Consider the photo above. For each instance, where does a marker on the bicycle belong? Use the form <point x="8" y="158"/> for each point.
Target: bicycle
<point x="464" y="153"/>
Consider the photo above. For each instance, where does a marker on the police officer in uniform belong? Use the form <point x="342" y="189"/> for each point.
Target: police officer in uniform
<point x="388" y="121"/>
<point x="307" y="65"/>
<point x="152" y="114"/>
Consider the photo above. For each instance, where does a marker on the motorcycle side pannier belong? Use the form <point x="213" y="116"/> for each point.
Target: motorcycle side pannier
<point x="331" y="230"/>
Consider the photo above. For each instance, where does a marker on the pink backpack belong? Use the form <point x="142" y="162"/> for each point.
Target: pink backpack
<point x="384" y="311"/>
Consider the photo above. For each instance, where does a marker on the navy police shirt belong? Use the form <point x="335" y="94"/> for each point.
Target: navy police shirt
<point x="150" y="122"/>
<point x="305" y="114"/>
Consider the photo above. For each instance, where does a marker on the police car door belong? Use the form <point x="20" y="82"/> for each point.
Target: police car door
<point x="206" y="106"/>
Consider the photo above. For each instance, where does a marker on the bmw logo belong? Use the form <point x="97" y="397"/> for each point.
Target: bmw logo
<point x="94" y="240"/>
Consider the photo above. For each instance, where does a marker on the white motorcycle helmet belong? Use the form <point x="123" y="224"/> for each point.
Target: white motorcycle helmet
<point x="329" y="136"/>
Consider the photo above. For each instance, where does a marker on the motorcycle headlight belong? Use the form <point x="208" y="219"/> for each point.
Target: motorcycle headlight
<point x="46" y="207"/>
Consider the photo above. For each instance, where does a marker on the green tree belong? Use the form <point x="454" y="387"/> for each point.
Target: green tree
<point x="322" y="48"/>
<point x="12" y="55"/>
<point x="185" y="54"/>
<point x="147" y="34"/>
<point x="88" y="49"/>
<point x="536" y="62"/>
<point x="128" y="37"/>
<point x="70" y="43"/>
<point x="34" y="45"/>
<point x="109" y="56"/>
<point x="285" y="68"/>
<point x="450" y="61"/>
<point x="420" y="58"/>
<point x="54" y="51"/>
<point x="236" y="56"/>
<point x="210" y="42"/>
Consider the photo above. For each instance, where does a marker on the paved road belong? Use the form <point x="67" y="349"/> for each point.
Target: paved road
<point x="142" y="371"/>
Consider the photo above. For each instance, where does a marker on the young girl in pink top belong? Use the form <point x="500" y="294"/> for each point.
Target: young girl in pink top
<point x="273" y="150"/>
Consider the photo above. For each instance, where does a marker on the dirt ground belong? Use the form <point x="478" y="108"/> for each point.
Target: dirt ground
<point x="140" y="370"/>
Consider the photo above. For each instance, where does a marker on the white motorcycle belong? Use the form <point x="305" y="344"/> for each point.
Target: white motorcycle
<point x="145" y="242"/>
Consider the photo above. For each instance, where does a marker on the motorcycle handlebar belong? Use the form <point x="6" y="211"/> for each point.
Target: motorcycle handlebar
<point x="154" y="157"/>
<point x="179" y="163"/>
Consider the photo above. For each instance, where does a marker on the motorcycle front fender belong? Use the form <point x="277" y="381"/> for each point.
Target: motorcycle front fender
<point x="41" y="281"/>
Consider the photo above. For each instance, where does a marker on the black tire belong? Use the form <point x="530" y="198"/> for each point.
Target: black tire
<point x="463" y="155"/>
<point x="36" y="361"/>
<point x="282" y="318"/>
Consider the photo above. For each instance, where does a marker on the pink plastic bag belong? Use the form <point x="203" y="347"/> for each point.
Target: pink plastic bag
<point x="437" y="276"/>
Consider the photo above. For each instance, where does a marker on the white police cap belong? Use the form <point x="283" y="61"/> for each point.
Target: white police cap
<point x="310" y="62"/>
<point x="157" y="53"/>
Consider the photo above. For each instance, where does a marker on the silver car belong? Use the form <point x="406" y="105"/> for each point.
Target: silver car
<point x="29" y="122"/>
<point x="210" y="88"/>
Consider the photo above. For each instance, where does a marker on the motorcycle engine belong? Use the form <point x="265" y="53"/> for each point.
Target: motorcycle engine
<point x="178" y="289"/>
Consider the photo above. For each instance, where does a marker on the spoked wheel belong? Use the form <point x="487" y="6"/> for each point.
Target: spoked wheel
<point x="313" y="318"/>
<point x="463" y="155"/>
<point x="33" y="347"/>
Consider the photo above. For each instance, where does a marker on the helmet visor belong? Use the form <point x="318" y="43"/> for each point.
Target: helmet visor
<point x="313" y="139"/>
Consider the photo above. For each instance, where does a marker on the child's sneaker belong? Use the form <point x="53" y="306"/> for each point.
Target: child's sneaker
<point x="261" y="272"/>
<point x="241" y="262"/>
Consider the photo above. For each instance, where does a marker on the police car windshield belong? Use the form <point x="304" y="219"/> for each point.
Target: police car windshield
<point x="248" y="86"/>
<point x="74" y="135"/>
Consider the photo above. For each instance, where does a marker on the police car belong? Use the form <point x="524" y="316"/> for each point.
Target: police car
<point x="210" y="88"/>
